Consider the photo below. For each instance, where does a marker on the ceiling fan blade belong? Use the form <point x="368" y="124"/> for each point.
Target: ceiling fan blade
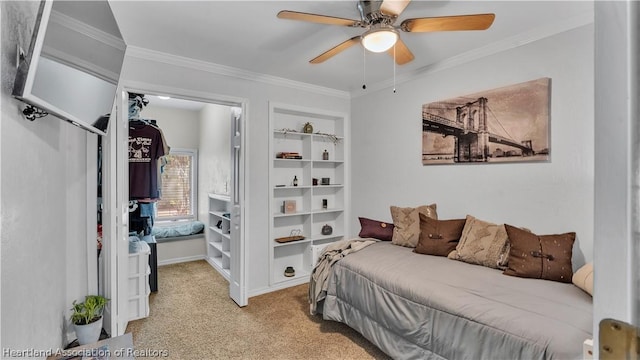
<point x="320" y="19"/>
<point x="394" y="7"/>
<point x="403" y="54"/>
<point x="335" y="50"/>
<point x="448" y="23"/>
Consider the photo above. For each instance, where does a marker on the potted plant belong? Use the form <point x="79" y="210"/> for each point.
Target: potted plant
<point x="87" y="318"/>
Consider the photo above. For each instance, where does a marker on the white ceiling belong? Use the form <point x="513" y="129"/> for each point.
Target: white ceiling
<point x="248" y="36"/>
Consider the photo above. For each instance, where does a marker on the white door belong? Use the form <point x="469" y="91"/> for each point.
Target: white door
<point x="115" y="219"/>
<point x="237" y="290"/>
<point x="122" y="208"/>
<point x="108" y="281"/>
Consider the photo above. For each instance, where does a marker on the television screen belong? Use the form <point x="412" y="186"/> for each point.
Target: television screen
<point x="74" y="62"/>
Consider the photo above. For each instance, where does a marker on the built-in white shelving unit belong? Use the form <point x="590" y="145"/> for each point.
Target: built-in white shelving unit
<point x="317" y="203"/>
<point x="218" y="236"/>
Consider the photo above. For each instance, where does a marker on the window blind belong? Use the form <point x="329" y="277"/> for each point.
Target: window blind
<point x="176" y="189"/>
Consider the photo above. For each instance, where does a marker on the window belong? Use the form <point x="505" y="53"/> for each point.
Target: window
<point x="179" y="183"/>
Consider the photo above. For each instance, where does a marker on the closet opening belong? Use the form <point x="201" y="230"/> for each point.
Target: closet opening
<point x="182" y="196"/>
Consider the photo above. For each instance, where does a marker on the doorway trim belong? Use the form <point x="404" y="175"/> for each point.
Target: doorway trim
<point x="204" y="97"/>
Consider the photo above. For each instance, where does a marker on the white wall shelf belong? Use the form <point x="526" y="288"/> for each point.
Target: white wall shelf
<point x="219" y="238"/>
<point x="329" y="134"/>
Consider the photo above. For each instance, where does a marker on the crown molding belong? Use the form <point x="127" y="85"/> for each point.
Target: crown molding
<point x="170" y="59"/>
<point x="86" y="30"/>
<point x="512" y="42"/>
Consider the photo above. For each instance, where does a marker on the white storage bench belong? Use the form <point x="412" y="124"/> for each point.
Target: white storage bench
<point x="179" y="241"/>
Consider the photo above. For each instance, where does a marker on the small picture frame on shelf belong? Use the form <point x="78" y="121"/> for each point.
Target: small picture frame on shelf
<point x="289" y="206"/>
<point x="325" y="181"/>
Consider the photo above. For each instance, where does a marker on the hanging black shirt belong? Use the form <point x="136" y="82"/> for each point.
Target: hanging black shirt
<point x="145" y="148"/>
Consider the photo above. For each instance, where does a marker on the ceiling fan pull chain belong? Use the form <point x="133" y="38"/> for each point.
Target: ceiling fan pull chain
<point x="394" y="68"/>
<point x="364" y="68"/>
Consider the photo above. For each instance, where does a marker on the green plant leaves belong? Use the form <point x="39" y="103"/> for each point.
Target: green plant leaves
<point x="88" y="311"/>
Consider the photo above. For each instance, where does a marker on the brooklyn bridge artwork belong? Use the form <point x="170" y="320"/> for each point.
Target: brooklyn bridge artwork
<point x="508" y="124"/>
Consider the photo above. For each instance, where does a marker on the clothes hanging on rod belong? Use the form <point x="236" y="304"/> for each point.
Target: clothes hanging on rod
<point x="141" y="217"/>
<point x="162" y="161"/>
<point x="146" y="147"/>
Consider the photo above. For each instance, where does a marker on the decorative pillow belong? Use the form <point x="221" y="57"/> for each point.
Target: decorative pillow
<point x="540" y="256"/>
<point x="482" y="243"/>
<point x="438" y="237"/>
<point x="583" y="278"/>
<point x="406" y="222"/>
<point x="375" y="229"/>
<point x="176" y="230"/>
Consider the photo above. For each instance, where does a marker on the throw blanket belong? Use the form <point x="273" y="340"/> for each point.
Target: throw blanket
<point x="331" y="254"/>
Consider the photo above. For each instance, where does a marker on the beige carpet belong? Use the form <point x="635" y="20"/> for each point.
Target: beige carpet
<point x="192" y="317"/>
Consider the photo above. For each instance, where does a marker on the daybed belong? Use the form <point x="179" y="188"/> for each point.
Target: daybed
<point x="416" y="306"/>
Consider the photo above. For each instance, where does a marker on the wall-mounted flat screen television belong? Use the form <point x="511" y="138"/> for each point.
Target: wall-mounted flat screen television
<point x="73" y="64"/>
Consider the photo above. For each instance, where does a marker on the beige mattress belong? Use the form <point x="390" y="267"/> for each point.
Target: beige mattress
<point x="416" y="306"/>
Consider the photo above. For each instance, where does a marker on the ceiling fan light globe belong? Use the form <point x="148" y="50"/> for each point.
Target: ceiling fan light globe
<point x="379" y="40"/>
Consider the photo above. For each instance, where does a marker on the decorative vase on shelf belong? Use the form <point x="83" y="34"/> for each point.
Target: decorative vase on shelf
<point x="327" y="229"/>
<point x="289" y="271"/>
<point x="308" y="128"/>
<point x="325" y="155"/>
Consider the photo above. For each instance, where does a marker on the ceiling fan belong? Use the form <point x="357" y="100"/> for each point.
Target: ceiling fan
<point x="378" y="18"/>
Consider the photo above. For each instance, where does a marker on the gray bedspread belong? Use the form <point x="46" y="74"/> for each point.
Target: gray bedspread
<point x="416" y="306"/>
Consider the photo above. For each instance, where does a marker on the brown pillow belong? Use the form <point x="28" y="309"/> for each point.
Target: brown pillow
<point x="438" y="237"/>
<point x="406" y="222"/>
<point x="482" y="243"/>
<point x="375" y="229"/>
<point x="540" y="256"/>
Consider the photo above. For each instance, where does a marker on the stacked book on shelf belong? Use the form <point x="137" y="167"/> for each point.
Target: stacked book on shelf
<point x="288" y="155"/>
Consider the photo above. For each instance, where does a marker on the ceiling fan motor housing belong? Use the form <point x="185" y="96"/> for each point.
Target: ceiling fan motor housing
<point x="370" y="13"/>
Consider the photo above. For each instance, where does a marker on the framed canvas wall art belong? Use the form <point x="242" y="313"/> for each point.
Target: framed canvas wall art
<point x="507" y="124"/>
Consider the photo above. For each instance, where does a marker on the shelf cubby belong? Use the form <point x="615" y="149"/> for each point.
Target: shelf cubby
<point x="218" y="234"/>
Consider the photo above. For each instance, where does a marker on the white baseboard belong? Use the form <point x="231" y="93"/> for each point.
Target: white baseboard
<point x="260" y="291"/>
<point x="180" y="260"/>
<point x="280" y="286"/>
